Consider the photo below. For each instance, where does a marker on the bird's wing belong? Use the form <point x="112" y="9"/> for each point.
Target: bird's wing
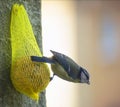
<point x="63" y="60"/>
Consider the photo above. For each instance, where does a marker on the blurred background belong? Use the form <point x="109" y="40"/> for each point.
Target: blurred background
<point x="88" y="32"/>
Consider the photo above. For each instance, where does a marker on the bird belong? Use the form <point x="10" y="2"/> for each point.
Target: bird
<point x="64" y="67"/>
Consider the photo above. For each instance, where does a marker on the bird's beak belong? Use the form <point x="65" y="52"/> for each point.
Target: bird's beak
<point x="88" y="82"/>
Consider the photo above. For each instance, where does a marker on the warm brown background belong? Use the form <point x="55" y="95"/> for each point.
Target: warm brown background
<point x="89" y="32"/>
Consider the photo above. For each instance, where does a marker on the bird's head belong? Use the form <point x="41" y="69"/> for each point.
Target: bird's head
<point x="84" y="76"/>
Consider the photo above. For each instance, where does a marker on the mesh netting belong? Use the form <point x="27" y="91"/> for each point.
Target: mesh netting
<point x="28" y="77"/>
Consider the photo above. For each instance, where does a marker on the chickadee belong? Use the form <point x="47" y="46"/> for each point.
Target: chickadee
<point x="64" y="67"/>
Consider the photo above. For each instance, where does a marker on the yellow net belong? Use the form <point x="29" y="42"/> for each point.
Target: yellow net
<point x="28" y="77"/>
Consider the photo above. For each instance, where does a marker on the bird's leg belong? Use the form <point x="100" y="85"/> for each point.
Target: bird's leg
<point x="51" y="78"/>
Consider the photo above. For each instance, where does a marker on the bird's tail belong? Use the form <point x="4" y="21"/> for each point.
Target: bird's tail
<point x="42" y="59"/>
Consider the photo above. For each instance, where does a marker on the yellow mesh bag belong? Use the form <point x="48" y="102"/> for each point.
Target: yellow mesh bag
<point x="29" y="78"/>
